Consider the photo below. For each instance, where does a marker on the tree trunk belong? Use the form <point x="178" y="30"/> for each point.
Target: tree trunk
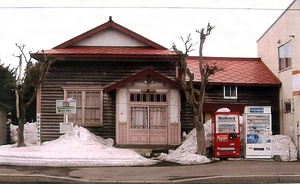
<point x="20" y="131"/>
<point x="21" y="122"/>
<point x="200" y="135"/>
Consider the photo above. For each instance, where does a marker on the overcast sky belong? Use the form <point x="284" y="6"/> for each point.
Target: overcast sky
<point x="43" y="24"/>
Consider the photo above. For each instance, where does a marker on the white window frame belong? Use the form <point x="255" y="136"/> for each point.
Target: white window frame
<point x="285" y="56"/>
<point x="83" y="91"/>
<point x="234" y="96"/>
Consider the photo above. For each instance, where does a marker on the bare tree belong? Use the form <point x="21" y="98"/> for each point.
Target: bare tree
<point x="195" y="93"/>
<point x="26" y="85"/>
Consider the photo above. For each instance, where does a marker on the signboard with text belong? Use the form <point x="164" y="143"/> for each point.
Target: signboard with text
<point x="66" y="106"/>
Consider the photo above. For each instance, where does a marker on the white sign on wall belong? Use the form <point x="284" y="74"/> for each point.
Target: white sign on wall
<point x="65" y="127"/>
<point x="66" y="106"/>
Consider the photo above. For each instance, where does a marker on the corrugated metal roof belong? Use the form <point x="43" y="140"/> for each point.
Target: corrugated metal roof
<point x="236" y="71"/>
<point x="82" y="50"/>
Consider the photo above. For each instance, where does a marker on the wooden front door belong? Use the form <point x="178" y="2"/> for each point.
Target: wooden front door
<point x="148" y="124"/>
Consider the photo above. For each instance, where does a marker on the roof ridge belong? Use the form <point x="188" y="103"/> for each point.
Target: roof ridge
<point x="109" y="24"/>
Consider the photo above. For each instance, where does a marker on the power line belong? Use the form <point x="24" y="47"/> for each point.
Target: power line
<point x="144" y="7"/>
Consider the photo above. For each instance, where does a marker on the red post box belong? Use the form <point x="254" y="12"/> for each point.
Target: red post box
<point x="227" y="135"/>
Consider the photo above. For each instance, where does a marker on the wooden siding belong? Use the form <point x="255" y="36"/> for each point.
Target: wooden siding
<point x="89" y="73"/>
<point x="247" y="96"/>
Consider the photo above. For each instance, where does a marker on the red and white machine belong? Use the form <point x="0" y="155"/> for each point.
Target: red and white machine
<point x="227" y="135"/>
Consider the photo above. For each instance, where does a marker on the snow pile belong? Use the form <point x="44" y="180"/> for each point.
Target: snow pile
<point x="30" y="133"/>
<point x="209" y="135"/>
<point x="186" y="153"/>
<point x="284" y="146"/>
<point x="77" y="148"/>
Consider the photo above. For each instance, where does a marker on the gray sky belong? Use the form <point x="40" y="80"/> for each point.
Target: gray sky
<point x="43" y="24"/>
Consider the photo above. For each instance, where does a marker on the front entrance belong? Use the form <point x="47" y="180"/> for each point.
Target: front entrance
<point x="148" y="125"/>
<point x="148" y="114"/>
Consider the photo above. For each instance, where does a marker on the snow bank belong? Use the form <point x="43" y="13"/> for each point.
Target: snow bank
<point x="284" y="146"/>
<point x="30" y="133"/>
<point x="77" y="148"/>
<point x="186" y="153"/>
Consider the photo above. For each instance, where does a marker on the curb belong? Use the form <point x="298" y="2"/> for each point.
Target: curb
<point x="210" y="179"/>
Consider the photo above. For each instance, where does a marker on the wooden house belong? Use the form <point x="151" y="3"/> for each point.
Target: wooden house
<point x="126" y="87"/>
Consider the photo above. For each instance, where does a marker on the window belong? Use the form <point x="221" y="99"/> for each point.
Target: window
<point x="89" y="106"/>
<point x="285" y="55"/>
<point x="230" y="92"/>
<point x="287" y="107"/>
<point x="148" y="97"/>
<point x="148" y="117"/>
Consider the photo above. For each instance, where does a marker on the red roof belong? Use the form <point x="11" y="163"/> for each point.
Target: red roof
<point x="147" y="71"/>
<point x="236" y="71"/>
<point x="67" y="50"/>
<point x="105" y="52"/>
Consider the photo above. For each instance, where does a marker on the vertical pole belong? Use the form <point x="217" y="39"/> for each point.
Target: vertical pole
<point x="38" y="126"/>
<point x="67" y="117"/>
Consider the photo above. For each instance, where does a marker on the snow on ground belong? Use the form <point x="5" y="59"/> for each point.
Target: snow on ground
<point x="77" y="148"/>
<point x="284" y="146"/>
<point x="82" y="148"/>
<point x="186" y="153"/>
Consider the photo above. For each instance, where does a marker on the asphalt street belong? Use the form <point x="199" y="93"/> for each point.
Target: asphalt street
<point x="232" y="171"/>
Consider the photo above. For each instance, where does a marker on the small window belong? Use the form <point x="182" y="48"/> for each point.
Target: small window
<point x="148" y="97"/>
<point x="287" y="107"/>
<point x="89" y="106"/>
<point x="230" y="92"/>
<point x="285" y="55"/>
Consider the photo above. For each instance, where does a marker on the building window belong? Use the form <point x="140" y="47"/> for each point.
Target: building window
<point x="230" y="92"/>
<point x="89" y="106"/>
<point x="287" y="107"/>
<point x="148" y="97"/>
<point x="285" y="55"/>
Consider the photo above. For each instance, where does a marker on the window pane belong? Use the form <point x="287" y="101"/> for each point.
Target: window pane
<point x="139" y="117"/>
<point x="148" y="97"/>
<point x="285" y="56"/>
<point x="287" y="107"/>
<point x="227" y="91"/>
<point x="281" y="52"/>
<point x="157" y="119"/>
<point x="88" y="107"/>
<point x="76" y="96"/>
<point x="77" y="117"/>
<point x="92" y="115"/>
<point x="233" y="91"/>
<point x="93" y="99"/>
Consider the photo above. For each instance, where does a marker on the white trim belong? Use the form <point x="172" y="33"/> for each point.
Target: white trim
<point x="230" y="97"/>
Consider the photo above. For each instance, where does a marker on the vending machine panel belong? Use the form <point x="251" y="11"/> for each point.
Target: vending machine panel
<point x="226" y="135"/>
<point x="258" y="132"/>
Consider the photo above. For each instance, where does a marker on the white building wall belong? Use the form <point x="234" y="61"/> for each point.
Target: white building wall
<point x="286" y="28"/>
<point x="104" y="38"/>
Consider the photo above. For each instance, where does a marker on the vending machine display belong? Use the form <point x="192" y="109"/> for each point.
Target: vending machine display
<point x="226" y="135"/>
<point x="258" y="132"/>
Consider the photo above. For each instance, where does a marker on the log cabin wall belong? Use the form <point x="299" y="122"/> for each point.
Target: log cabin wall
<point x="75" y="73"/>
<point x="89" y="73"/>
<point x="247" y="96"/>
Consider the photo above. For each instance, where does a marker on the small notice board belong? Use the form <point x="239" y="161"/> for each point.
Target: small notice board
<point x="66" y="106"/>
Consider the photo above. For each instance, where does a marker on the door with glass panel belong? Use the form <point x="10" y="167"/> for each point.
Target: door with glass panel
<point x="148" y="124"/>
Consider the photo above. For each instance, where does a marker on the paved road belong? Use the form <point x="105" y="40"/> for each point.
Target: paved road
<point x="233" y="171"/>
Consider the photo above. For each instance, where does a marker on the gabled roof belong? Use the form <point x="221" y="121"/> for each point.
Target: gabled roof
<point x="82" y="53"/>
<point x="107" y="25"/>
<point x="72" y="50"/>
<point x="143" y="73"/>
<point x="236" y="71"/>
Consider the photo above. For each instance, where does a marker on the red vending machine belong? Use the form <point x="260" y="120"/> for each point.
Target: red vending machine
<point x="227" y="135"/>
